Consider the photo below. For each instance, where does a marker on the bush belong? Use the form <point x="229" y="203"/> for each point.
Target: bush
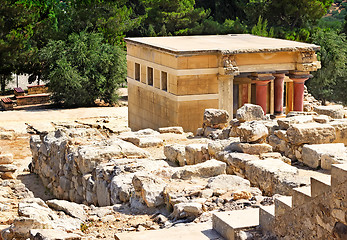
<point x="83" y="69"/>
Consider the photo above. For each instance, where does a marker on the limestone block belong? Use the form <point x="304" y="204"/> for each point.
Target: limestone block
<point x="177" y="130"/>
<point x="196" y="153"/>
<point x="249" y="112"/>
<point x="333" y="111"/>
<point x="6" y="158"/>
<point x="252" y="132"/>
<point x="186" y="210"/>
<point x="150" y="188"/>
<point x="209" y="168"/>
<point x="312" y="133"/>
<point x="321" y="119"/>
<point x="228" y="183"/>
<point x="175" y="153"/>
<point x="236" y="162"/>
<point x="323" y="155"/>
<point x="277" y="144"/>
<point x="73" y="209"/>
<point x="341" y="130"/>
<point x="103" y="193"/>
<point x="285" y="123"/>
<point x="254" y="148"/>
<point x="215" y="118"/>
<point x="282" y="134"/>
<point x="121" y="188"/>
<point x="217" y="146"/>
<point x="7" y="135"/>
<point x="52" y="234"/>
<point x="8" y="168"/>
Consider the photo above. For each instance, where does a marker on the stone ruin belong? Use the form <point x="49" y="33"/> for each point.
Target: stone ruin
<point x="251" y="166"/>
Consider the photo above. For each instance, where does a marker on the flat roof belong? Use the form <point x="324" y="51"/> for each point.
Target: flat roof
<point x="226" y="44"/>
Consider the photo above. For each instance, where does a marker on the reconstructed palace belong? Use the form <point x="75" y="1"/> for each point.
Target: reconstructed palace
<point x="172" y="80"/>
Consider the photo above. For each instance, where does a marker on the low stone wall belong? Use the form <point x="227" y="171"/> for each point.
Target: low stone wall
<point x="6" y="104"/>
<point x="323" y="217"/>
<point x="33" y="99"/>
<point x="37" y="89"/>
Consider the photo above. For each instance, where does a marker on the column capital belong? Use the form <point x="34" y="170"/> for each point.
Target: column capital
<point x="296" y="75"/>
<point x="261" y="77"/>
<point x="279" y="75"/>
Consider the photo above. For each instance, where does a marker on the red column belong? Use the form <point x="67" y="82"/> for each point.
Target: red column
<point x="261" y="93"/>
<point x="279" y="83"/>
<point x="299" y="94"/>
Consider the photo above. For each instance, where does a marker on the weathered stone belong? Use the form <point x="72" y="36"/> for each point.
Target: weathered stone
<point x="249" y="112"/>
<point x="254" y="148"/>
<point x="196" y="153"/>
<point x="175" y="153"/>
<point x="241" y="194"/>
<point x="334" y="111"/>
<point x="214" y="147"/>
<point x="185" y="210"/>
<point x="8" y="175"/>
<point x="282" y="134"/>
<point x="52" y="234"/>
<point x="6" y="158"/>
<point x="177" y="130"/>
<point x="8" y="168"/>
<point x="215" y="118"/>
<point x="321" y="119"/>
<point x="228" y="183"/>
<point x="7" y="135"/>
<point x="285" y="123"/>
<point x="277" y="144"/>
<point x="121" y="188"/>
<point x="209" y="168"/>
<point x="150" y="188"/>
<point x="312" y="133"/>
<point x="143" y="138"/>
<point x="70" y="208"/>
<point x="252" y="132"/>
<point x="236" y="162"/>
<point x="213" y="133"/>
<point x="323" y="155"/>
<point x="103" y="193"/>
<point x="341" y="130"/>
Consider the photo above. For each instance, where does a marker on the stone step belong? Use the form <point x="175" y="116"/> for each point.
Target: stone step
<point x="301" y="195"/>
<point x="320" y="185"/>
<point x="266" y="217"/>
<point x="192" y="232"/>
<point x="283" y="204"/>
<point x="338" y="174"/>
<point x="226" y="223"/>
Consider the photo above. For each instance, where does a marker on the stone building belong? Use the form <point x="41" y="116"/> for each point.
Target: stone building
<point x="171" y="80"/>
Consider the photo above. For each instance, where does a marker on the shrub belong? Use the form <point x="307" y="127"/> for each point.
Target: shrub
<point x="82" y="69"/>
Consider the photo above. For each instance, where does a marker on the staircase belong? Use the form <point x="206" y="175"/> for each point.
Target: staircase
<point x="286" y="208"/>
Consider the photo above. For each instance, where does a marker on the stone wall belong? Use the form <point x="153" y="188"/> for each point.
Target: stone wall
<point x="37" y="89"/>
<point x="33" y="99"/>
<point x="322" y="217"/>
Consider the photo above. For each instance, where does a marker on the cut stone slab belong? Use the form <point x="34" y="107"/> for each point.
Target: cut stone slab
<point x="285" y="123"/>
<point x="196" y="153"/>
<point x="236" y="162"/>
<point x="311" y="133"/>
<point x="177" y="130"/>
<point x="70" y="208"/>
<point x="321" y="119"/>
<point x="209" y="168"/>
<point x="340" y="126"/>
<point x="323" y="155"/>
<point x="252" y="131"/>
<point x="254" y="148"/>
<point x="215" y="118"/>
<point x="201" y="231"/>
<point x="186" y="210"/>
<point x="228" y="183"/>
<point x="227" y="223"/>
<point x="249" y="112"/>
<point x="6" y="158"/>
<point x="52" y="234"/>
<point x="334" y="111"/>
<point x="175" y="153"/>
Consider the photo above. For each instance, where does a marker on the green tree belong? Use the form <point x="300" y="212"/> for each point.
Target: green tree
<point x="329" y="83"/>
<point x="261" y="29"/>
<point x="179" y="17"/>
<point x="82" y="69"/>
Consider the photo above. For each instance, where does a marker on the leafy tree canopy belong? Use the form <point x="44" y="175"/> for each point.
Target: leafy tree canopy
<point x="82" y="69"/>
